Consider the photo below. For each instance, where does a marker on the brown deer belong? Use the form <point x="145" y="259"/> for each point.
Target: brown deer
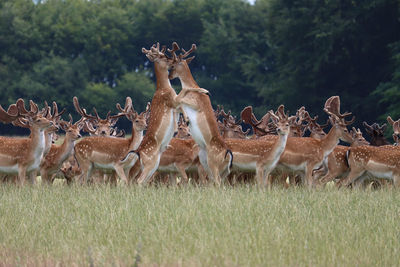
<point x="52" y="162"/>
<point x="214" y="154"/>
<point x="376" y="132"/>
<point x="337" y="165"/>
<point x="111" y="153"/>
<point x="23" y="155"/>
<point x="261" y="155"/>
<point x="163" y="117"/>
<point x="303" y="155"/>
<point x="95" y="125"/>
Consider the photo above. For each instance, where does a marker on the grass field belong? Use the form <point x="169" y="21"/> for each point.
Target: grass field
<point x="190" y="226"/>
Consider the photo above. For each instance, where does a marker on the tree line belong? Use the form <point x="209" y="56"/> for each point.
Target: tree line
<point x="295" y="52"/>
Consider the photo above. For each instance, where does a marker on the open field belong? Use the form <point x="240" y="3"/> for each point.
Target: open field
<point x="190" y="226"/>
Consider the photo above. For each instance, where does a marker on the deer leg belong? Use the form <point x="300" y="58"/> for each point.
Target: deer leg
<point x="32" y="176"/>
<point x="396" y="180"/>
<point x="352" y="176"/>
<point x="260" y="175"/>
<point x="86" y="168"/>
<point x="202" y="174"/>
<point x="22" y="174"/>
<point x="134" y="171"/>
<point x="45" y="177"/>
<point x="121" y="173"/>
<point x="182" y="171"/>
<point x="150" y="165"/>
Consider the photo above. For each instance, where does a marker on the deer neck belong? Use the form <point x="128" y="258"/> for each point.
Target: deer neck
<point x="66" y="147"/>
<point x="136" y="139"/>
<point x="330" y="141"/>
<point x="161" y="77"/>
<point x="187" y="79"/>
<point x="37" y="147"/>
<point x="48" y="137"/>
<point x="279" y="146"/>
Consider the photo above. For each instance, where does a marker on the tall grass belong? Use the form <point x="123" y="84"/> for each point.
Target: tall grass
<point x="193" y="226"/>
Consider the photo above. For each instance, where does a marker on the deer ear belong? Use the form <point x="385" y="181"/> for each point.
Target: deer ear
<point x="188" y="60"/>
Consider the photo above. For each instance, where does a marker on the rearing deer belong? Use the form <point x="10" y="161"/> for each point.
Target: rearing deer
<point x="215" y="156"/>
<point x="163" y="116"/>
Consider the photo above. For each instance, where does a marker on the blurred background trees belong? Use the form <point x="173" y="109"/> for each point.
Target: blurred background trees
<point x="294" y="52"/>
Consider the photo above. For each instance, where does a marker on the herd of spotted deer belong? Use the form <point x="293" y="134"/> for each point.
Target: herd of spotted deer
<point x="185" y="136"/>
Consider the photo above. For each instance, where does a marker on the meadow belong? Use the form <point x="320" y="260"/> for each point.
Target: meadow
<point x="198" y="226"/>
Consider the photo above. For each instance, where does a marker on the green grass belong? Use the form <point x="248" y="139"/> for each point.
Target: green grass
<point x="193" y="226"/>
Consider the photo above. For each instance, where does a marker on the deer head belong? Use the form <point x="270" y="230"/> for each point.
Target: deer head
<point x="94" y="124"/>
<point x="358" y="138"/>
<point x="178" y="63"/>
<point x="154" y="54"/>
<point x="376" y="133"/>
<point x="138" y="120"/>
<point x="33" y="118"/>
<point x="281" y="120"/>
<point x="183" y="129"/>
<point x="396" y="129"/>
<point x="71" y="129"/>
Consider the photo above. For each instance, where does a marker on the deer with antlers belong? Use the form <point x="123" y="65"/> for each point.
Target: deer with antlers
<point x="49" y="133"/>
<point x="163" y="116"/>
<point x="110" y="153"/>
<point x="214" y="154"/>
<point x="303" y="155"/>
<point x="229" y="127"/>
<point x="337" y="165"/>
<point x="52" y="162"/>
<point x="377" y="134"/>
<point x="95" y="125"/>
<point x="261" y="155"/>
<point x="376" y="161"/>
<point x="23" y="155"/>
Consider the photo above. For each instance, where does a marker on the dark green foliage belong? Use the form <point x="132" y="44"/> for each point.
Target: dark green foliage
<point x="295" y="52"/>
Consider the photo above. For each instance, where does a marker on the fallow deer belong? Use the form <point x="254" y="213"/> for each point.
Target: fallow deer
<point x="52" y="162"/>
<point x="214" y="155"/>
<point x="376" y="161"/>
<point x="376" y="132"/>
<point x="163" y="116"/>
<point x="95" y="125"/>
<point x="305" y="154"/>
<point x="23" y="155"/>
<point x="261" y="155"/>
<point x="337" y="165"/>
<point x="110" y="153"/>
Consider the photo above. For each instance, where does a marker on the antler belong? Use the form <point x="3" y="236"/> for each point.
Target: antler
<point x="10" y="115"/>
<point x="81" y="111"/>
<point x="332" y="107"/>
<point x="175" y="47"/>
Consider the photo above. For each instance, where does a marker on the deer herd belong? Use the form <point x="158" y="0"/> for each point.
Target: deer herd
<point x="181" y="138"/>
